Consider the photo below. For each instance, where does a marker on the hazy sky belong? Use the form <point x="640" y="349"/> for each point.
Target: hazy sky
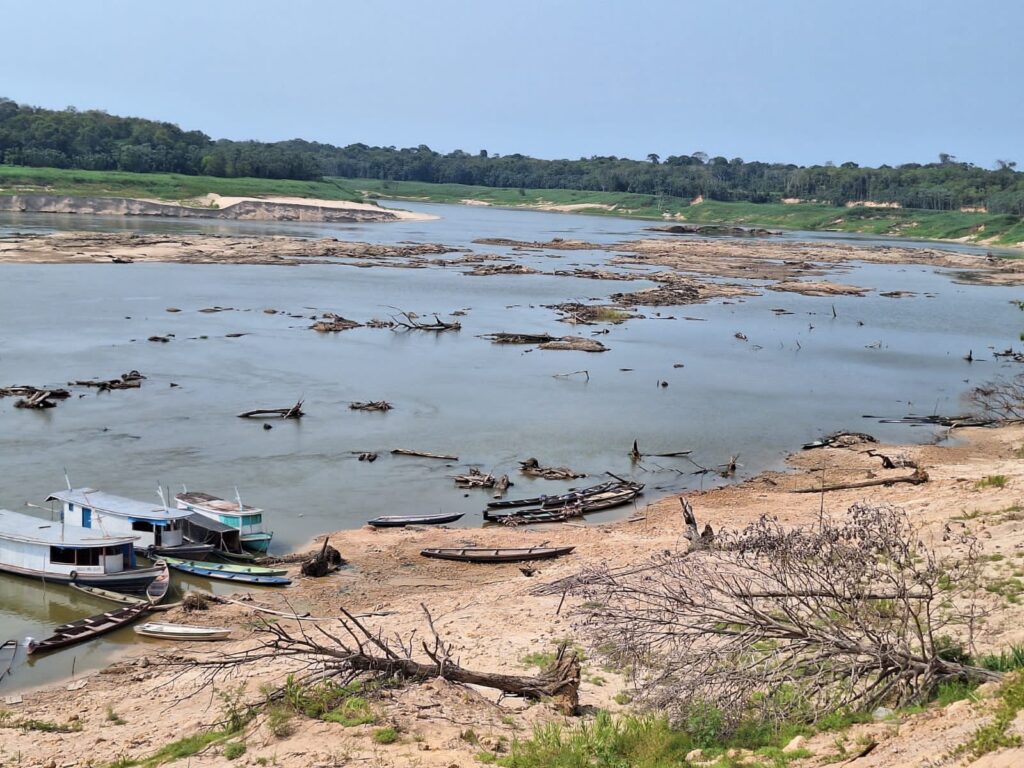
<point x="806" y="81"/>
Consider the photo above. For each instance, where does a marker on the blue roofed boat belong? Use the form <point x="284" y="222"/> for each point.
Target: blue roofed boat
<point x="248" y="521"/>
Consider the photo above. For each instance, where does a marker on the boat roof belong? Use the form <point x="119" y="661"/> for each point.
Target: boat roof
<point x="209" y="524"/>
<point x="118" y="505"/>
<point x="215" y="503"/>
<point x="16" y="526"/>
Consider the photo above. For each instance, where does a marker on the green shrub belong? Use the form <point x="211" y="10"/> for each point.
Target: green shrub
<point x="387" y="735"/>
<point x="234" y="750"/>
<point x="352" y="712"/>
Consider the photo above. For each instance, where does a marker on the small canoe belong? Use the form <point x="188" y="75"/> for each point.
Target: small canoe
<point x="256" y="570"/>
<point x="398" y="521"/>
<point x="189" y="550"/>
<point x="182" y="631"/>
<point x="524" y="517"/>
<point x="483" y="555"/>
<point x="200" y="569"/>
<point x="88" y="628"/>
<point x="157" y="589"/>
<point x="552" y="501"/>
<point x="107" y="594"/>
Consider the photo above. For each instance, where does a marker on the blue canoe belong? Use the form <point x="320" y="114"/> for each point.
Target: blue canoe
<point x="203" y="569"/>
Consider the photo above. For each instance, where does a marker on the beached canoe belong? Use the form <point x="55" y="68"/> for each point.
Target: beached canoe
<point x="486" y="555"/>
<point x="182" y="631"/>
<point x="524" y="517"/>
<point x="86" y="629"/>
<point x="201" y="569"/>
<point x="398" y="521"/>
<point x="554" y="501"/>
<point x="255" y="570"/>
<point x="157" y="589"/>
<point x="107" y="594"/>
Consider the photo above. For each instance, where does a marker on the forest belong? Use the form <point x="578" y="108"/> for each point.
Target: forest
<point x="95" y="140"/>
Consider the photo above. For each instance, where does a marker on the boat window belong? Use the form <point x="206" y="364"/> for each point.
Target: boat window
<point x="89" y="556"/>
<point x="231" y="520"/>
<point x="253" y="519"/>
<point x="142" y="525"/>
<point x="62" y="555"/>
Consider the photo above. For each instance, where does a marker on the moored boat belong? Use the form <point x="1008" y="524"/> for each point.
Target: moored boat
<point x="107" y="594"/>
<point x="159" y="530"/>
<point x="398" y="521"/>
<point x="157" y="590"/>
<point x="182" y="631"/>
<point x="499" y="555"/>
<point x="537" y="501"/>
<point x="63" y="553"/>
<point x="523" y="517"/>
<point x="202" y="569"/>
<point x="248" y="521"/>
<point x="85" y="629"/>
<point x="257" y="570"/>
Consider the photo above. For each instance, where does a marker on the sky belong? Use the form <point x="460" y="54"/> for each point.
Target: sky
<point x="801" y="81"/>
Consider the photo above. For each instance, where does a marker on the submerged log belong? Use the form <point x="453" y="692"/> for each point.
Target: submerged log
<point x="28" y="391"/>
<point x="37" y="401"/>
<point x="532" y="468"/>
<point x="575" y="343"/>
<point x="520" y="338"/>
<point x="329" y="322"/>
<point x="295" y="412"/>
<point x="130" y="380"/>
<point x="373" y="405"/>
<point x="411" y="322"/>
<point x="423" y="454"/>
<point x="475" y="479"/>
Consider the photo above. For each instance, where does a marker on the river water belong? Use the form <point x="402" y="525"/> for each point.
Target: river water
<point x="797" y="377"/>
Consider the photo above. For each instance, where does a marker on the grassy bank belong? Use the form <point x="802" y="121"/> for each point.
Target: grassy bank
<point x="999" y="229"/>
<point x="16" y="180"/>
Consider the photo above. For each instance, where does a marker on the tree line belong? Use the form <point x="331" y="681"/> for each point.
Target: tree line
<point x="98" y="141"/>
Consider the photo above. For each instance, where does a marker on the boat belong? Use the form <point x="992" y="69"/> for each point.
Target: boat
<point x="606" y="500"/>
<point x="157" y="590"/>
<point x="488" y="555"/>
<point x="537" y="501"/>
<point x="182" y="631"/>
<point x="63" y="553"/>
<point x="158" y="530"/>
<point x="257" y="570"/>
<point x="107" y="594"/>
<point x="202" y="569"/>
<point x="398" y="521"/>
<point x="225" y="540"/>
<point x="248" y="521"/>
<point x="88" y="628"/>
<point x="522" y="517"/>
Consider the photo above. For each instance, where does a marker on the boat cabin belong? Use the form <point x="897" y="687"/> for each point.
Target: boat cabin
<point x="154" y="526"/>
<point x="33" y="546"/>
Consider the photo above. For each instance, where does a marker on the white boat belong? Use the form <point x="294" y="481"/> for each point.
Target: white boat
<point x="59" y="552"/>
<point x="158" y="529"/>
<point x="182" y="632"/>
<point x="248" y="521"/>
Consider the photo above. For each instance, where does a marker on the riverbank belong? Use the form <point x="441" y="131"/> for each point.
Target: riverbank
<point x="498" y="623"/>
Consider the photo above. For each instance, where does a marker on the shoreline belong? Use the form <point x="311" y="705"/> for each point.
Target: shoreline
<point x="495" y="619"/>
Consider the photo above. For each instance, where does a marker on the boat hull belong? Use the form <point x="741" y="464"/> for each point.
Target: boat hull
<point x="245" y="578"/>
<point x="257" y="542"/>
<point x="88" y="628"/>
<point x="134" y="581"/>
<point x="184" y="551"/>
<point x="400" y="521"/>
<point x="482" y="555"/>
<point x="184" y="632"/>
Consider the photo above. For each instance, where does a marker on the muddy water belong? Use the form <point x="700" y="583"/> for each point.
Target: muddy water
<point x="796" y="377"/>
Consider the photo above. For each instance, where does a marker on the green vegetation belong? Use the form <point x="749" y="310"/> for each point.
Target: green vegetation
<point x="944" y="199"/>
<point x="387" y="735"/>
<point x="159" y="186"/>
<point x="113" y="717"/>
<point x="234" y="750"/>
<point x="992" y="481"/>
<point x="351" y="712"/>
<point x="993" y="736"/>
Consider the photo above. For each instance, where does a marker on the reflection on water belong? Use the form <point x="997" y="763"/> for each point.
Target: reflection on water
<point x="796" y="377"/>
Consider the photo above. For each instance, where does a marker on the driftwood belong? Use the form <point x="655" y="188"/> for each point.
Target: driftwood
<point x="37" y="401"/>
<point x="411" y="323"/>
<point x="328" y="560"/>
<point x="475" y="479"/>
<point x="940" y="421"/>
<point x="575" y="344"/>
<point x="130" y="380"/>
<point x="635" y="455"/>
<point x="520" y="338"/>
<point x="356" y="651"/>
<point x="917" y="477"/>
<point x="27" y="391"/>
<point x="423" y="454"/>
<point x="501" y="486"/>
<point x="373" y="405"/>
<point x="841" y="439"/>
<point x="331" y="323"/>
<point x="899" y="461"/>
<point x="295" y="412"/>
<point x="532" y="468"/>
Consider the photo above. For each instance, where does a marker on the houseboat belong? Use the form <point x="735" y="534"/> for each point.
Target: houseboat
<point x="159" y="530"/>
<point x="59" y="552"/>
<point x="234" y="514"/>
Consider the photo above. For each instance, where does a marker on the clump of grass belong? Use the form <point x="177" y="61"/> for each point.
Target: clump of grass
<point x="1007" y="660"/>
<point x="992" y="481"/>
<point x="280" y="721"/>
<point x="113" y="717"/>
<point x="234" y="750"/>
<point x="386" y="735"/>
<point x="351" y="712"/>
<point x="1009" y="588"/>
<point x="993" y="735"/>
<point x="48" y="726"/>
<point x="540" y="659"/>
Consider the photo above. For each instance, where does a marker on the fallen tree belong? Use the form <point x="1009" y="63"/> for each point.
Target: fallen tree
<point x="295" y="412"/>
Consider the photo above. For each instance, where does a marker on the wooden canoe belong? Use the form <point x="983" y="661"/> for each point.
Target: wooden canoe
<point x="182" y="631"/>
<point x="552" y="501"/>
<point x="107" y="594"/>
<point x="255" y="570"/>
<point x="157" y="589"/>
<point x="200" y="569"/>
<point x="523" y="517"/>
<point x="88" y="628"/>
<point x="398" y="521"/>
<point x="487" y="555"/>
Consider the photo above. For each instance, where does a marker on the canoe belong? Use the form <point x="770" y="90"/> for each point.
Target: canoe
<point x="200" y="569"/>
<point x="189" y="550"/>
<point x="523" y="517"/>
<point x="398" y="521"/>
<point x="483" y="555"/>
<point x="256" y="570"/>
<point x="88" y="628"/>
<point x="157" y="589"/>
<point x="537" y="501"/>
<point x="107" y="594"/>
<point x="182" y="631"/>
